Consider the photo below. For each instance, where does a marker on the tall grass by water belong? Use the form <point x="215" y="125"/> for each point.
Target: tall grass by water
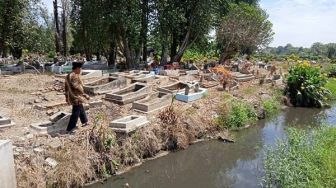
<point x="305" y="159"/>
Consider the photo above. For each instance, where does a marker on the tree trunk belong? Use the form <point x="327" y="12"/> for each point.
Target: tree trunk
<point x="127" y="53"/>
<point x="112" y="55"/>
<point x="144" y="29"/>
<point x="98" y="56"/>
<point x="164" y="54"/>
<point x="226" y="54"/>
<point x="64" y="33"/>
<point x="17" y="52"/>
<point x="173" y="47"/>
<point x="183" y="47"/>
<point x="57" y="30"/>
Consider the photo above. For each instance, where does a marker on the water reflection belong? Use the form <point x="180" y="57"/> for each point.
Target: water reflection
<point x="215" y="164"/>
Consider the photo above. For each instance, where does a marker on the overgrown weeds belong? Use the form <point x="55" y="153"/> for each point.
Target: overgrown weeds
<point x="306" y="159"/>
<point x="234" y="113"/>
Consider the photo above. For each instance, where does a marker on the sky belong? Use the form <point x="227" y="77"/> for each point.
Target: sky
<point x="302" y="22"/>
<point x="298" y="22"/>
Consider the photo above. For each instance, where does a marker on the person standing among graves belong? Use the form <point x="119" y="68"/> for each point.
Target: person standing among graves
<point x="75" y="96"/>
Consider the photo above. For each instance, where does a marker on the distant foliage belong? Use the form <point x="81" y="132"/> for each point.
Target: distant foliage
<point x="306" y="86"/>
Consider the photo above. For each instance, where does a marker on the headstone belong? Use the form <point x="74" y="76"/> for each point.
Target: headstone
<point x="7" y="168"/>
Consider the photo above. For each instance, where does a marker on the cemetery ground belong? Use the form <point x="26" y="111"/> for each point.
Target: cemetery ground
<point x="96" y="152"/>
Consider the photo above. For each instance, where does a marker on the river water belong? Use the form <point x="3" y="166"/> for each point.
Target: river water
<point x="215" y="164"/>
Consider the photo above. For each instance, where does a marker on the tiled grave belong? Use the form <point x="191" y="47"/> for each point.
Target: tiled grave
<point x="173" y="88"/>
<point x="105" y="85"/>
<point x="192" y="92"/>
<point x="129" y="94"/>
<point x="153" y="102"/>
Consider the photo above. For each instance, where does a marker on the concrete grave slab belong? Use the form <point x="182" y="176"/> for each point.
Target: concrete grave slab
<point x="152" y="79"/>
<point x="191" y="96"/>
<point x="153" y="102"/>
<point x="192" y="72"/>
<point x="56" y="123"/>
<point x="7" y="168"/>
<point x="173" y="88"/>
<point x="5" y="122"/>
<point x="50" y="106"/>
<point x="129" y="94"/>
<point x="86" y="74"/>
<point x="96" y="104"/>
<point x="239" y="77"/>
<point x="128" y="124"/>
<point x="105" y="85"/>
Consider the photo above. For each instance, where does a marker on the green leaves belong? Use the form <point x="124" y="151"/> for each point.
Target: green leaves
<point x="305" y="86"/>
<point x="244" y="28"/>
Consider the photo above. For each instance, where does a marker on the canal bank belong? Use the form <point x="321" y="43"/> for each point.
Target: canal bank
<point x="218" y="164"/>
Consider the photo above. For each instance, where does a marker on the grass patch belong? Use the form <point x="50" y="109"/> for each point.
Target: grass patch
<point x="234" y="113"/>
<point x="271" y="106"/>
<point x="306" y="159"/>
<point x="331" y="86"/>
<point x="249" y="90"/>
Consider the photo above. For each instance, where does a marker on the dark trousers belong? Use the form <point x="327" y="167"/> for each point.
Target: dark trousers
<point x="77" y="111"/>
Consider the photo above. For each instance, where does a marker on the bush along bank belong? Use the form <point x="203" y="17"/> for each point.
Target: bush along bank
<point x="305" y="159"/>
<point x="306" y="86"/>
<point x="235" y="114"/>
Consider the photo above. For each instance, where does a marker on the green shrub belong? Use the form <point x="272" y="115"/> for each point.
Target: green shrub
<point x="305" y="86"/>
<point x="235" y="114"/>
<point x="271" y="106"/>
<point x="306" y="159"/>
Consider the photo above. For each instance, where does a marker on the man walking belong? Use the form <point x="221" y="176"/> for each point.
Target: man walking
<point x="74" y="94"/>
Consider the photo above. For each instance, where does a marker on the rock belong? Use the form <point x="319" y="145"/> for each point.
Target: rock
<point x="51" y="162"/>
<point x="19" y="149"/>
<point x="55" y="144"/>
<point x="38" y="150"/>
<point x="37" y="101"/>
<point x="261" y="114"/>
<point x="29" y="136"/>
<point x="284" y="108"/>
<point x="50" y="112"/>
<point x="196" y="106"/>
<point x="265" y="96"/>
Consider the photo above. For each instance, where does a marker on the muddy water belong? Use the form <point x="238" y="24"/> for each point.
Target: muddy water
<point x="216" y="164"/>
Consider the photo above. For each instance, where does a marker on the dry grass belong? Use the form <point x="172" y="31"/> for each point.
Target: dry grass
<point x="30" y="171"/>
<point x="74" y="169"/>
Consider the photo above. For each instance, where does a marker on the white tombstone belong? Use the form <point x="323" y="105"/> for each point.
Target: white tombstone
<point x="7" y="169"/>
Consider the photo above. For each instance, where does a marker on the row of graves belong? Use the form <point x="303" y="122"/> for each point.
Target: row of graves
<point x="145" y="91"/>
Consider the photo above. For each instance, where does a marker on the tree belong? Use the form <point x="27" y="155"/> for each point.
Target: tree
<point x="24" y="24"/>
<point x="245" y="26"/>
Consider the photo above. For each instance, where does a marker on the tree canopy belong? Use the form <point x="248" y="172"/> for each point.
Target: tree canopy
<point x="130" y="28"/>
